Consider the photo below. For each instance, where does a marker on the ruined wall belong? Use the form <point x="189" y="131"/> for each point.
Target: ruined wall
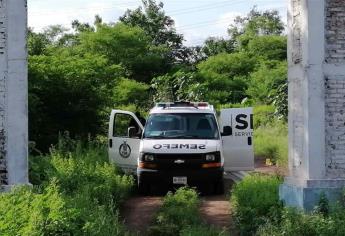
<point x="335" y="127"/>
<point x="335" y="88"/>
<point x="3" y="89"/>
<point x="335" y="31"/>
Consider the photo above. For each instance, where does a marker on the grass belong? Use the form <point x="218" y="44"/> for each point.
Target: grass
<point x="76" y="192"/>
<point x="293" y="222"/>
<point x="180" y="215"/>
<point x="254" y="201"/>
<point x="271" y="142"/>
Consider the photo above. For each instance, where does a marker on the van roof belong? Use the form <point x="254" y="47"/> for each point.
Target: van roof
<point x="183" y="107"/>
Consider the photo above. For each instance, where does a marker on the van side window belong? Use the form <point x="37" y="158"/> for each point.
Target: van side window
<point x="122" y="123"/>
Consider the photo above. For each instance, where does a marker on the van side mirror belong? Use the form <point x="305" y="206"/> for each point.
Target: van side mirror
<point x="133" y="133"/>
<point x="227" y="131"/>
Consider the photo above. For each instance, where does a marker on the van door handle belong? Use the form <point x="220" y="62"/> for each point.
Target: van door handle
<point x="110" y="143"/>
<point x="250" y="142"/>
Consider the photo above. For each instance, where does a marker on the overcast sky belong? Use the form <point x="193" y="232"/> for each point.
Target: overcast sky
<point x="196" y="19"/>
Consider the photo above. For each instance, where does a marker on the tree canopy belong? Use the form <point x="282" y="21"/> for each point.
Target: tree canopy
<point x="77" y="75"/>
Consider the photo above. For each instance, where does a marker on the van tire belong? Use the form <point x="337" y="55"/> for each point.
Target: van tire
<point x="219" y="187"/>
<point x="143" y="188"/>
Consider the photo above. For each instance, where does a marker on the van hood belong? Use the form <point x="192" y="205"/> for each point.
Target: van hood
<point x="179" y="145"/>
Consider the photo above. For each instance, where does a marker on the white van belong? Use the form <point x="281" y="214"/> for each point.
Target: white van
<point x="182" y="144"/>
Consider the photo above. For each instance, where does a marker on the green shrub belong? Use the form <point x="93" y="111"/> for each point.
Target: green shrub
<point x="24" y="212"/>
<point x="255" y="199"/>
<point x="179" y="210"/>
<point x="294" y="222"/>
<point x="201" y="230"/>
<point x="271" y="142"/>
<point x="179" y="215"/>
<point x="263" y="115"/>
<point x="78" y="193"/>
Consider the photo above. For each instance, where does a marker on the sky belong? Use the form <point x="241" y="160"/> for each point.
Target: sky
<point x="195" y="19"/>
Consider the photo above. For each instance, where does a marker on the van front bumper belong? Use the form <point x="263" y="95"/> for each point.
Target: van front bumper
<point x="194" y="177"/>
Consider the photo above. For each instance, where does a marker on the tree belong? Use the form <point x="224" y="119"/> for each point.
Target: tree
<point x="257" y="23"/>
<point x="37" y="42"/>
<point x="160" y="28"/>
<point x="130" y="92"/>
<point x="69" y="93"/>
<point x="264" y="83"/>
<point x="152" y="19"/>
<point x="126" y="45"/>
<point x="213" y="46"/>
<point x="181" y="85"/>
<point x="269" y="47"/>
<point x="225" y="76"/>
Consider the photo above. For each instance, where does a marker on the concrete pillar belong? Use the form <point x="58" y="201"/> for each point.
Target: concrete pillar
<point x="13" y="93"/>
<point x="316" y="56"/>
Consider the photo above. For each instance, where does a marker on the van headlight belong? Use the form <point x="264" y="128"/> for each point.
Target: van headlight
<point x="210" y="157"/>
<point x="148" y="157"/>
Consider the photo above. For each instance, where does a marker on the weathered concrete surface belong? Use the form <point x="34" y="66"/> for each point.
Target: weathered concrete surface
<point x="316" y="56"/>
<point x="13" y="93"/>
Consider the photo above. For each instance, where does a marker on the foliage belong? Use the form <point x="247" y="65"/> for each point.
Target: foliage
<point x="179" y="86"/>
<point x="179" y="215"/>
<point x="255" y="200"/>
<point x="271" y="142"/>
<point x="126" y="45"/>
<point x="225" y="77"/>
<point x="77" y="193"/>
<point x="132" y="92"/>
<point x="257" y="23"/>
<point x="202" y="230"/>
<point x="280" y="101"/>
<point x="152" y="19"/>
<point x="213" y="46"/>
<point x="269" y="47"/>
<point x="77" y="76"/>
<point x="69" y="92"/>
<point x="263" y="116"/>
<point x="266" y="80"/>
<point x="294" y="222"/>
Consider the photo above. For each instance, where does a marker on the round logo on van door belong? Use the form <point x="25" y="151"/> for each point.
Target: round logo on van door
<point x="125" y="150"/>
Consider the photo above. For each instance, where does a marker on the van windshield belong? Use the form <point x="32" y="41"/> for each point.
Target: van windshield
<point x="181" y="126"/>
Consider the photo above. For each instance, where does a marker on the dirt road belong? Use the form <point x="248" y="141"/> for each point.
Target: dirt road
<point x="216" y="210"/>
<point x="139" y="211"/>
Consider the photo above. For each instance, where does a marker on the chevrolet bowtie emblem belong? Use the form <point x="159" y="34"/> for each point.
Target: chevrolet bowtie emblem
<point x="179" y="161"/>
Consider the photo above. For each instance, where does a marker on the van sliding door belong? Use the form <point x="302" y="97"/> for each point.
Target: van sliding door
<point x="238" y="141"/>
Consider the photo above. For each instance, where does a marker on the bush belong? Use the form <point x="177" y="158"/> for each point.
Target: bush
<point x="263" y="115"/>
<point x="201" y="230"/>
<point x="78" y="193"/>
<point x="179" y="210"/>
<point x="255" y="200"/>
<point x="294" y="222"/>
<point x="271" y="141"/>
<point x="179" y="215"/>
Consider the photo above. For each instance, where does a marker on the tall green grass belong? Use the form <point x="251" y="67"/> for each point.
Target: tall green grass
<point x="293" y="222"/>
<point x="271" y="142"/>
<point x="255" y="200"/>
<point x="76" y="192"/>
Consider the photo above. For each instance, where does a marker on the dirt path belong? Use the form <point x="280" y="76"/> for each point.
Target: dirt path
<point x="139" y="211"/>
<point x="216" y="210"/>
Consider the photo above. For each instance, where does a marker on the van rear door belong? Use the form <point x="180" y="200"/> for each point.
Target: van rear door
<point x="237" y="136"/>
<point x="124" y="136"/>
